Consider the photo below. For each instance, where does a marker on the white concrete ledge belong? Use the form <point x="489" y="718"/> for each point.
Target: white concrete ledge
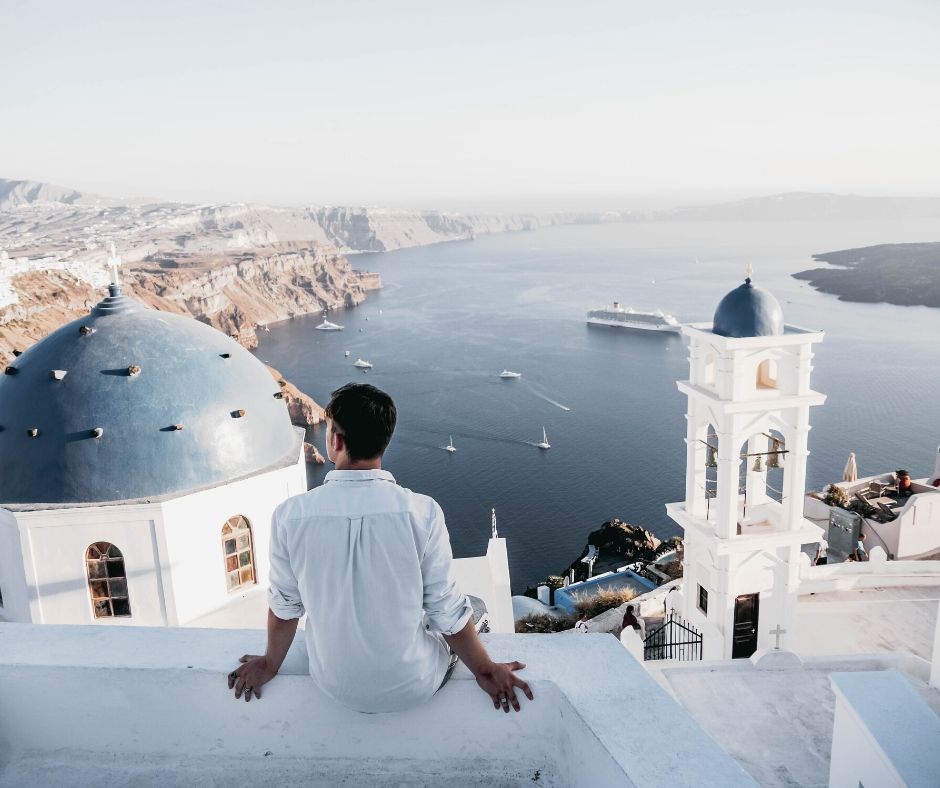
<point x="94" y="705"/>
<point x="884" y="734"/>
<point x="868" y="574"/>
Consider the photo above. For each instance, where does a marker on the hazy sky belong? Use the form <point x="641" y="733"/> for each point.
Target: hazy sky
<point x="444" y="104"/>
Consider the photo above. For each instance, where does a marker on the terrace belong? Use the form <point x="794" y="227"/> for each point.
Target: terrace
<point x="85" y="705"/>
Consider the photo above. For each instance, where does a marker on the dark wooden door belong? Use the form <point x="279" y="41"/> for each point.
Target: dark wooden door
<point x="746" y="608"/>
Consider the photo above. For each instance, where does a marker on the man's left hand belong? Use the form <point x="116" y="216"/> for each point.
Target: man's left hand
<point x="248" y="679"/>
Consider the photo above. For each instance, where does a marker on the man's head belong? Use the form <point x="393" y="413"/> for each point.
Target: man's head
<point x="360" y="422"/>
<point x="629" y="608"/>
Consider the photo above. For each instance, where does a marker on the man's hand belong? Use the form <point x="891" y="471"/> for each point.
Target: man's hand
<point x="257" y="670"/>
<point x="249" y="678"/>
<point x="496" y="679"/>
<point x="499" y="682"/>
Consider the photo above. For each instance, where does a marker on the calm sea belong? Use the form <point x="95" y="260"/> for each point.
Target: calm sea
<point x="453" y="316"/>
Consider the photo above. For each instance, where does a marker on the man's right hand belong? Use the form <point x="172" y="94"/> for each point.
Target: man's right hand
<point x="253" y="673"/>
<point x="499" y="681"/>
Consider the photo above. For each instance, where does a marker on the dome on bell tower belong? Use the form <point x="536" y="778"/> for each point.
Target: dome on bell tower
<point x="748" y="311"/>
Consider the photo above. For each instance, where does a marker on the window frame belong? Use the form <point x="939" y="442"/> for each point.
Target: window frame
<point x="234" y="530"/>
<point x="702" y="597"/>
<point x="103" y="572"/>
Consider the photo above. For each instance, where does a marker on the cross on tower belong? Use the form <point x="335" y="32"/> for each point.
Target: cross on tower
<point x="778" y="631"/>
<point x="749" y="270"/>
<point x="115" y="263"/>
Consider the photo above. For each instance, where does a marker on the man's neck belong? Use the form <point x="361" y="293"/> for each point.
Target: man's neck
<point x="359" y="465"/>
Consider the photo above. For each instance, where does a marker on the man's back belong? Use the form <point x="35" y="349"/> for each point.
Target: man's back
<point x="367" y="559"/>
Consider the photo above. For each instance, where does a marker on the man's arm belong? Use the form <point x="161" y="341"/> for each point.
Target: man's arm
<point x="285" y="608"/>
<point x="496" y="679"/>
<point x="256" y="670"/>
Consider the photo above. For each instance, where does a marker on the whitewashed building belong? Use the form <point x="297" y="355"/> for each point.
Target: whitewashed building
<point x="141" y="456"/>
<point x="749" y="397"/>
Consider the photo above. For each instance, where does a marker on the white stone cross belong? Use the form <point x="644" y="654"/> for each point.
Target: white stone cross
<point x="115" y="261"/>
<point x="749" y="270"/>
<point x="778" y="632"/>
<point x="495" y="534"/>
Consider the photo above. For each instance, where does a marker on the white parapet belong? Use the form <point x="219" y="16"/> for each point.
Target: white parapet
<point x="884" y="734"/>
<point x="87" y="705"/>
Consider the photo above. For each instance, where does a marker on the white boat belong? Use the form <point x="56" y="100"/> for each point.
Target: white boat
<point x="621" y="317"/>
<point x="506" y="374"/>
<point x="263" y="327"/>
<point x="362" y="364"/>
<point x="347" y="354"/>
<point x="326" y="325"/>
<point x="450" y="446"/>
<point x="544" y="444"/>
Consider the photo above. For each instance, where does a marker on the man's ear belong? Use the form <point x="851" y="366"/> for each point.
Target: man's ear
<point x="338" y="441"/>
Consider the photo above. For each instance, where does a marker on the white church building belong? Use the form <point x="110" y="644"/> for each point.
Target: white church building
<point x="141" y="456"/>
<point x="749" y="399"/>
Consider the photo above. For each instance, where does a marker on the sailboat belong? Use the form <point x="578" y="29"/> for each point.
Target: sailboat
<point x="450" y="446"/>
<point x="544" y="444"/>
<point x="362" y="364"/>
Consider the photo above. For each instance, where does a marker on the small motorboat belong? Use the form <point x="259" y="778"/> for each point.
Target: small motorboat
<point x="507" y="375"/>
<point x="326" y="325"/>
<point x="347" y="354"/>
<point x="450" y="446"/>
<point x="263" y="327"/>
<point x="544" y="444"/>
<point x="360" y="364"/>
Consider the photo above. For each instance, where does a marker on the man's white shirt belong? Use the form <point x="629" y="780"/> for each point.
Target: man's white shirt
<point x="369" y="562"/>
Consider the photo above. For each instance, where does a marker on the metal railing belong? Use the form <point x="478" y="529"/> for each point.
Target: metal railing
<point x="675" y="639"/>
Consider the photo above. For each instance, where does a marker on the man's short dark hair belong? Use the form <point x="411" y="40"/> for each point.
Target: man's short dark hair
<point x="365" y="416"/>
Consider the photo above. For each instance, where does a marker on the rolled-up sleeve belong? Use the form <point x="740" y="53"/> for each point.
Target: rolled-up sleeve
<point x="283" y="591"/>
<point x="448" y="610"/>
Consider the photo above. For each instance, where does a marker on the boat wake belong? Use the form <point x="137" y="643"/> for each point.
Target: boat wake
<point x="546" y="398"/>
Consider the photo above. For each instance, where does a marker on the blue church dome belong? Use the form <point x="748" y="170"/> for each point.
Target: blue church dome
<point x="130" y="403"/>
<point x="748" y="311"/>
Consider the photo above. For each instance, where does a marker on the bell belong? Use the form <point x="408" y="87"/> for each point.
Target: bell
<point x="775" y="458"/>
<point x="711" y="457"/>
<point x="758" y="465"/>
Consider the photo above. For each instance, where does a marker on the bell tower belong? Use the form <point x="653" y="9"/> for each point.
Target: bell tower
<point x="749" y="397"/>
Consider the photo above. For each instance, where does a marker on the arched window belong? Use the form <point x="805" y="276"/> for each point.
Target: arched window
<point x="236" y="549"/>
<point x="767" y="374"/>
<point x="107" y="580"/>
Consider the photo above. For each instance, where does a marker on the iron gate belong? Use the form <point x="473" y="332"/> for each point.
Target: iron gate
<point x="675" y="639"/>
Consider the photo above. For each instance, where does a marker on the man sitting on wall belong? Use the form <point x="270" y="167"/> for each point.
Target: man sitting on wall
<point x="369" y="562"/>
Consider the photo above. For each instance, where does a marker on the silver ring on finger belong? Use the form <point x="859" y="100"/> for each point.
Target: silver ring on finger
<point x="504" y="700"/>
<point x="249" y="690"/>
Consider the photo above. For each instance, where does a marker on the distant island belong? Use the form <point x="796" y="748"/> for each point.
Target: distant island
<point x="902" y="274"/>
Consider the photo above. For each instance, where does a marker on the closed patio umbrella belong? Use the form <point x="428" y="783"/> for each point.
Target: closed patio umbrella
<point x="850" y="474"/>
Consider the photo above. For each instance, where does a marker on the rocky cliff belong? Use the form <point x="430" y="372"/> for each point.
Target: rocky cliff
<point x="232" y="266"/>
<point x="232" y="292"/>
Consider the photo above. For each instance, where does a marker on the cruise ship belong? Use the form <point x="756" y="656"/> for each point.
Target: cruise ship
<point x="617" y="315"/>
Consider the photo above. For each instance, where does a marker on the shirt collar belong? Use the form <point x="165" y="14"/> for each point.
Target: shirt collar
<point x="360" y="476"/>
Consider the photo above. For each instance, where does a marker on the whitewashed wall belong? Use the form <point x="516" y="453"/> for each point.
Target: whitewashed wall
<point x="883" y="735"/>
<point x="54" y="543"/>
<point x="161" y="696"/>
<point x="12" y="576"/>
<point x="193" y="538"/>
